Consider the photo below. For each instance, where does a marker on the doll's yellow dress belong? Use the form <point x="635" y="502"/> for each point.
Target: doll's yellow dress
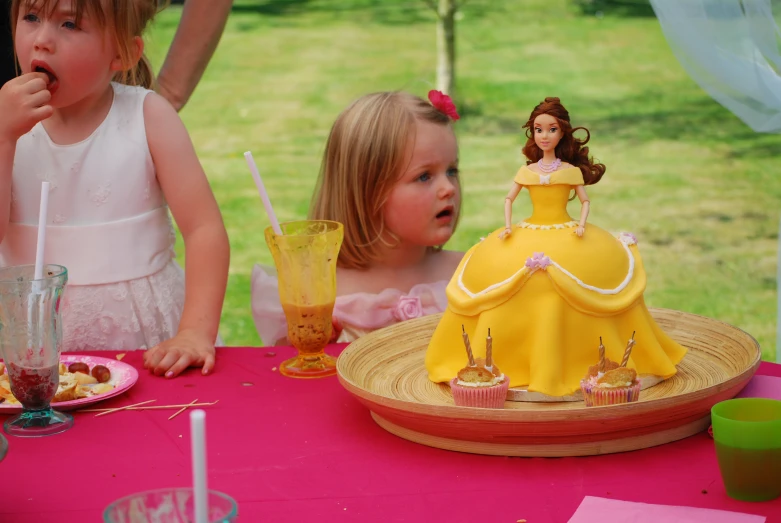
<point x="548" y="295"/>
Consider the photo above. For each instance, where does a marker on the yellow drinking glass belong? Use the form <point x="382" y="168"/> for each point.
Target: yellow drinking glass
<point x="305" y="257"/>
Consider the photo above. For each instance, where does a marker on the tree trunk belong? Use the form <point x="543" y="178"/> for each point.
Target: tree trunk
<point x="446" y="46"/>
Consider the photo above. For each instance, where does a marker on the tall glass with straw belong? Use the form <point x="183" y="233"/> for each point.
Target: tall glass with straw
<point x="305" y="257"/>
<point x="30" y="338"/>
<point x="305" y="254"/>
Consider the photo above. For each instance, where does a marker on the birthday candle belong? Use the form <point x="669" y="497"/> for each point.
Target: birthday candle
<point x="601" y="356"/>
<point x="488" y="350"/>
<point x="628" y="350"/>
<point x="468" y="347"/>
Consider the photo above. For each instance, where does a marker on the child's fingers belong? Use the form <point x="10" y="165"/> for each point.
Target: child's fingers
<point x="43" y="112"/>
<point x="152" y="357"/>
<point x="208" y="364"/>
<point x="36" y="83"/>
<point x="40" y="98"/>
<point x="26" y="78"/>
<point x="184" y="361"/>
<point x="166" y="362"/>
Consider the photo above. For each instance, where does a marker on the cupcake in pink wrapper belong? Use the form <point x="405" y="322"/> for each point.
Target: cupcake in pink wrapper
<point x="480" y="383"/>
<point x="611" y="383"/>
<point x="596" y="394"/>
<point x="487" y="395"/>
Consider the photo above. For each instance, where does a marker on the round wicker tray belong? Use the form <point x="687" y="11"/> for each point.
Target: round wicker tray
<point x="384" y="370"/>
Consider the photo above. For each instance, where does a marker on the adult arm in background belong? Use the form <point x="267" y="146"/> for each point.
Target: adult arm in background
<point x="196" y="38"/>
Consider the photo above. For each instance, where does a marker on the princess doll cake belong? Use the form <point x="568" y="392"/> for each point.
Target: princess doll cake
<point x="550" y="285"/>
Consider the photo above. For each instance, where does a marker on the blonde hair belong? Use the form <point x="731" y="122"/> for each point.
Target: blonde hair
<point x="364" y="157"/>
<point x="124" y="20"/>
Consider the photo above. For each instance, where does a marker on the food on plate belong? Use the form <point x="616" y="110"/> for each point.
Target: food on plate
<point x="78" y="366"/>
<point x="76" y="381"/>
<point x="101" y="373"/>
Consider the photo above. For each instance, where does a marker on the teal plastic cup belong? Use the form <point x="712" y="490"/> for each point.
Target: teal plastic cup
<point x="747" y="432"/>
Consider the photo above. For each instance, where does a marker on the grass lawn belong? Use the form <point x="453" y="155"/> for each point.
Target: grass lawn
<point x="698" y="187"/>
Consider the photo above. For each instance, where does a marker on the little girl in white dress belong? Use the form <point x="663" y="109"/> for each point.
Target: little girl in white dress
<point x="390" y="175"/>
<point x="108" y="225"/>
<point x="116" y="156"/>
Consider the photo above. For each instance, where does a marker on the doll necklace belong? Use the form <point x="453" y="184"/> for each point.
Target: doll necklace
<point x="549" y="168"/>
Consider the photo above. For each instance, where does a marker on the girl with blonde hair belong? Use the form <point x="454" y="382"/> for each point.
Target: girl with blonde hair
<point x="390" y="175"/>
<point x="117" y="157"/>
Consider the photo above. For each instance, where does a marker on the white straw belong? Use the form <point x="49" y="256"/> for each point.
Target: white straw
<point x="42" y="212"/>
<point x="198" y="441"/>
<point x="263" y="194"/>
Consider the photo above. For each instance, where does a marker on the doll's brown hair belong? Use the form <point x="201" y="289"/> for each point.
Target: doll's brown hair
<point x="569" y="148"/>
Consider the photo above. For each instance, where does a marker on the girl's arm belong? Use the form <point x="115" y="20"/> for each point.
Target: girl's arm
<point x="7" y="152"/>
<point x="23" y="103"/>
<point x="207" y="252"/>
<point x="508" y="210"/>
<point x="580" y="190"/>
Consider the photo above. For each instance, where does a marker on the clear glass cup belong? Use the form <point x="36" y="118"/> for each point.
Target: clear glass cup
<point x="3" y="447"/>
<point x="174" y="505"/>
<point x="30" y="339"/>
<point x="305" y="257"/>
<point x="747" y="432"/>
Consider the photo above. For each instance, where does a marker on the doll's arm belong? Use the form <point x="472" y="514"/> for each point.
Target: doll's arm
<point x="195" y="210"/>
<point x="585" y="205"/>
<point x="508" y="210"/>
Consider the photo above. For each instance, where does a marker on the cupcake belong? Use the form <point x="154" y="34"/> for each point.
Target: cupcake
<point x="610" y="383"/>
<point x="480" y="383"/>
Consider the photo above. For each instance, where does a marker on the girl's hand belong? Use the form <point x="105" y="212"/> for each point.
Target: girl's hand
<point x="580" y="230"/>
<point x="505" y="233"/>
<point x="23" y="103"/>
<point x="186" y="349"/>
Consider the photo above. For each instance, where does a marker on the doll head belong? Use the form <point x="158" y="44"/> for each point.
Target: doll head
<point x="366" y="154"/>
<point x="569" y="148"/>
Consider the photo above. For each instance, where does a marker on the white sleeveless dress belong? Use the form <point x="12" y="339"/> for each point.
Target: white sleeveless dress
<point x="108" y="224"/>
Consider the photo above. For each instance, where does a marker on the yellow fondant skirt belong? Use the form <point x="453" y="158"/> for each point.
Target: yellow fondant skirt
<point x="548" y="295"/>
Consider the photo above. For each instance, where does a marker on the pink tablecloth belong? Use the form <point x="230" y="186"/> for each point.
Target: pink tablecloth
<point x="305" y="450"/>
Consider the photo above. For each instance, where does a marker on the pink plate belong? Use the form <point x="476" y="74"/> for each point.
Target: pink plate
<point x="123" y="376"/>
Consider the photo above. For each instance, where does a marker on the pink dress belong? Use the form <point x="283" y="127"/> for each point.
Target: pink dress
<point x="354" y="314"/>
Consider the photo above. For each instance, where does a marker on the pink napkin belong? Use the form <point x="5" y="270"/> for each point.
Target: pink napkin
<point x="762" y="387"/>
<point x="615" y="511"/>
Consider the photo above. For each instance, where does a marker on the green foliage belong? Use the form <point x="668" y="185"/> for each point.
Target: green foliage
<point x="615" y="7"/>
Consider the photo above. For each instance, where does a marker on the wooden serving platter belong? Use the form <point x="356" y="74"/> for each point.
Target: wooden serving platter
<point x="384" y="370"/>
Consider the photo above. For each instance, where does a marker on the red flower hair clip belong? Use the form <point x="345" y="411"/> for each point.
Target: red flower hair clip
<point x="443" y="103"/>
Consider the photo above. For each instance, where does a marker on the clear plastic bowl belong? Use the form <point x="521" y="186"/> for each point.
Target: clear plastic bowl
<point x="172" y="505"/>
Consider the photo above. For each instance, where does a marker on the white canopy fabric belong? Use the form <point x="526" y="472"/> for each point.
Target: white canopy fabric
<point x="731" y="49"/>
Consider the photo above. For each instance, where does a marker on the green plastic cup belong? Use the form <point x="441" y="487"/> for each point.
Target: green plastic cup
<point x="747" y="432"/>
